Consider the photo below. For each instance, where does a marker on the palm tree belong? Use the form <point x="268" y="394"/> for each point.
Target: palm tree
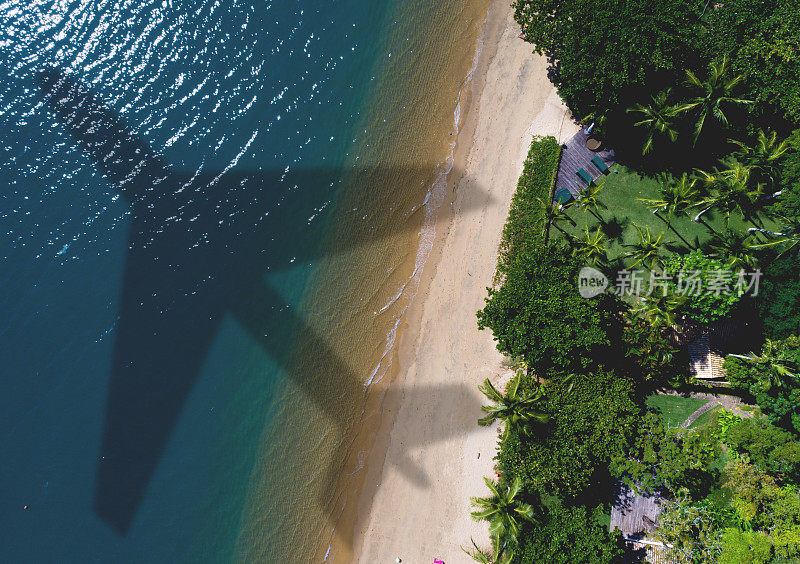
<point x="591" y="247"/>
<point x="515" y="409"/>
<point x="763" y="156"/>
<point x="552" y="216"/>
<point x="743" y="185"/>
<point x="505" y="514"/>
<point x="773" y="363"/>
<point x="658" y="118"/>
<point x="487" y="557"/>
<point x="731" y="190"/>
<point x="589" y="200"/>
<point x="732" y="246"/>
<point x="658" y="311"/>
<point x="713" y="95"/>
<point x="649" y="347"/>
<point x="788" y="238"/>
<point x="647" y="250"/>
<point x="677" y="198"/>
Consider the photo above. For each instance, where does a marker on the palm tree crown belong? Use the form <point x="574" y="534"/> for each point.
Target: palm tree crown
<point x="731" y="190"/>
<point x="589" y="200"/>
<point x="658" y="311"/>
<point x="764" y="155"/>
<point x="591" y="247"/>
<point x="487" y="557"/>
<point x="713" y="95"/>
<point x="515" y="409"/>
<point x="773" y="362"/>
<point x="732" y="246"/>
<point x="677" y="197"/>
<point x="647" y="250"/>
<point x="657" y="116"/>
<point x="505" y="514"/>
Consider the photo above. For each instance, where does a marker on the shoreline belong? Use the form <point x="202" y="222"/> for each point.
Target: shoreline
<point x="380" y="406"/>
<point x="407" y="336"/>
<point x="505" y="71"/>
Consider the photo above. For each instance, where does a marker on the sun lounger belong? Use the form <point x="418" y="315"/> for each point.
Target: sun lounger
<point x="598" y="162"/>
<point x="563" y="196"/>
<point x="584" y="176"/>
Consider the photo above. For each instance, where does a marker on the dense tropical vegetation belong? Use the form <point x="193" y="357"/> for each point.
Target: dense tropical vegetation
<point x="701" y="102"/>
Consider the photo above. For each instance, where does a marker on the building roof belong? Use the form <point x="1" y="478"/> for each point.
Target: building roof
<point x="712" y="343"/>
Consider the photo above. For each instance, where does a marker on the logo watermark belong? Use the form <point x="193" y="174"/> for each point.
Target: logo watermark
<point x="694" y="283"/>
<point x="591" y="282"/>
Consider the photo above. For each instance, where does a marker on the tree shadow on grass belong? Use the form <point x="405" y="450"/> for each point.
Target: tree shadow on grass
<point x="615" y="227"/>
<point x="676" y="248"/>
<point x="182" y="278"/>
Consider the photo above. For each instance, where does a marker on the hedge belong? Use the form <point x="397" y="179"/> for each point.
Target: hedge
<point x="525" y="223"/>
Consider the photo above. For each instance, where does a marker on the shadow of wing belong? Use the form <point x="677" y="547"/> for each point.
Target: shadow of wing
<point x="330" y="382"/>
<point x="159" y="349"/>
<point x="123" y="157"/>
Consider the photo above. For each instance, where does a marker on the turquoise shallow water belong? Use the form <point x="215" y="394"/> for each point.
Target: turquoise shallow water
<point x="170" y="180"/>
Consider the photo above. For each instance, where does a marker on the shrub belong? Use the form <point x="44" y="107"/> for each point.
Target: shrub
<point x="525" y="223"/>
<point x="568" y="535"/>
<point x="709" y="305"/>
<point x="771" y="449"/>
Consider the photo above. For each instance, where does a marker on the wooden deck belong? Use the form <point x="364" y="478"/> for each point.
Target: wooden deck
<point x="634" y="514"/>
<point x="575" y="156"/>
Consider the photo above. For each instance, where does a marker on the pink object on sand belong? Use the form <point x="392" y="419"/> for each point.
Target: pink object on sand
<point x="437" y="561"/>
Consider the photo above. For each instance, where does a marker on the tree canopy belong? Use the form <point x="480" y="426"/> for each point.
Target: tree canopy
<point x="594" y="419"/>
<point x="541" y="285"/>
<point x="666" y="459"/>
<point x="763" y="39"/>
<point x="716" y="294"/>
<point x="610" y="52"/>
<point x="571" y="534"/>
<point x="769" y="448"/>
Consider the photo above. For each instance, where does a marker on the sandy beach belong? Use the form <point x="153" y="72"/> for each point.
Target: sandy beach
<point x="419" y="520"/>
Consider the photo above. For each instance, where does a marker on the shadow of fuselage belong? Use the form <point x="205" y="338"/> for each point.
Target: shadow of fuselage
<point x="200" y="247"/>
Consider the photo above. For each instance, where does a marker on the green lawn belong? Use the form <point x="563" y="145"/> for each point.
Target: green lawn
<point x="621" y="190"/>
<point x="705" y="419"/>
<point x="674" y="409"/>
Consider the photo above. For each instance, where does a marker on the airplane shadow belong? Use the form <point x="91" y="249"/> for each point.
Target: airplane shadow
<point x="182" y="277"/>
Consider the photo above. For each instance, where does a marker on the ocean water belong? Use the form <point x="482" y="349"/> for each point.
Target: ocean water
<point x="212" y="219"/>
